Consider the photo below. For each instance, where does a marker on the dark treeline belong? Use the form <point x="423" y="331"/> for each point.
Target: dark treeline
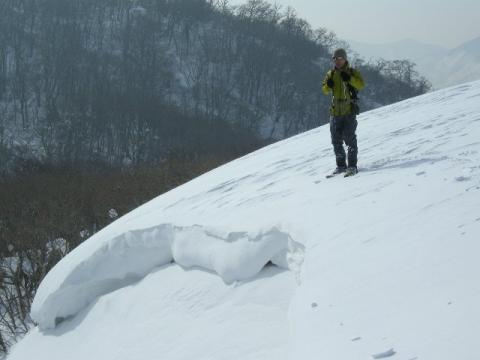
<point x="49" y="211"/>
<point x="132" y="82"/>
<point x="104" y="104"/>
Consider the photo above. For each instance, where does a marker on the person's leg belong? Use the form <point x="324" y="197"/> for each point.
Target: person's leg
<point x="350" y="138"/>
<point x="336" y="132"/>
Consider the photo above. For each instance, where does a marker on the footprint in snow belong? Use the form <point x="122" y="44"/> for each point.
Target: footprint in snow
<point x="384" y="354"/>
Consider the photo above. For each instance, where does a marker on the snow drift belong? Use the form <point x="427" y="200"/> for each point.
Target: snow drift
<point x="119" y="261"/>
<point x="387" y="261"/>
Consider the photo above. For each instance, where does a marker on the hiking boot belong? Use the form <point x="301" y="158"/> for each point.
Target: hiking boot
<point x="339" y="170"/>
<point x="351" y="170"/>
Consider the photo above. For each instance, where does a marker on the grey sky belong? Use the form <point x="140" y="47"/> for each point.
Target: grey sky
<point x="442" y="22"/>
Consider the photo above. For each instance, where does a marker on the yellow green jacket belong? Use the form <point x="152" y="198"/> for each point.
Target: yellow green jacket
<point x="341" y="100"/>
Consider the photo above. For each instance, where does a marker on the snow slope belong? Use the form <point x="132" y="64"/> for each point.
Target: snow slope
<point x="382" y="265"/>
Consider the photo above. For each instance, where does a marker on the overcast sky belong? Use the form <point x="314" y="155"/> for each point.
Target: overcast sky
<point x="448" y="23"/>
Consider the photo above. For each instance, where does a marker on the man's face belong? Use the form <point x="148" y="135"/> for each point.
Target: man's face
<point x="339" y="61"/>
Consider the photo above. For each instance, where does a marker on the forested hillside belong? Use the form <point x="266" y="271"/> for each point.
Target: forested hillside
<point x="129" y="82"/>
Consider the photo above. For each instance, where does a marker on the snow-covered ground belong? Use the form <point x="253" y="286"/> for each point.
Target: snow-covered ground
<point x="380" y="265"/>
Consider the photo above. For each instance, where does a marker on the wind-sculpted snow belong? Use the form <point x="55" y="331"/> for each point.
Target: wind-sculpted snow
<point x="390" y="266"/>
<point x="116" y="262"/>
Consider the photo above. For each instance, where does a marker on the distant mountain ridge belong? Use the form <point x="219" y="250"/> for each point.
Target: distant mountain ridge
<point x="470" y="48"/>
<point x="408" y="48"/>
<point x="443" y="67"/>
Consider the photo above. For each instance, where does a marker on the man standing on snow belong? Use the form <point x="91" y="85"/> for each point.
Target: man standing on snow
<point x="344" y="82"/>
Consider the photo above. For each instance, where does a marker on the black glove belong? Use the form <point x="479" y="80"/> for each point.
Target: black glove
<point x="345" y="76"/>
<point x="330" y="83"/>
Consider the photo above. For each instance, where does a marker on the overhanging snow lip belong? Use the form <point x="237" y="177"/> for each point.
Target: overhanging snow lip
<point x="233" y="255"/>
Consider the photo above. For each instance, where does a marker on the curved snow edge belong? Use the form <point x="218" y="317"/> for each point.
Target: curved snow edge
<point x="132" y="255"/>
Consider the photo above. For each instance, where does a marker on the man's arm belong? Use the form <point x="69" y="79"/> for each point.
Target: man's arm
<point x="325" y="88"/>
<point x="356" y="80"/>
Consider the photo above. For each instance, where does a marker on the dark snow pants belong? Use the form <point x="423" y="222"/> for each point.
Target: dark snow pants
<point x="342" y="128"/>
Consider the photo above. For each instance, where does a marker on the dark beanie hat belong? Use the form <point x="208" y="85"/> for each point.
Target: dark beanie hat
<point x="340" y="53"/>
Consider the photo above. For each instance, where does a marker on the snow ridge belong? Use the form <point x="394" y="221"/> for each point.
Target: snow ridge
<point x="130" y="256"/>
